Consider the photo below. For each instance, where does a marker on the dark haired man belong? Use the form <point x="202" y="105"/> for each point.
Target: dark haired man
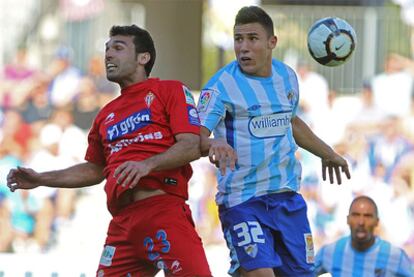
<point x="142" y="143"/>
<point x="251" y="105"/>
<point x="362" y="253"/>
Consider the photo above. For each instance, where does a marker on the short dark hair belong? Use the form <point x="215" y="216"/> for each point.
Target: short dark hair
<point x="255" y="14"/>
<point x="142" y="41"/>
<point x="367" y="198"/>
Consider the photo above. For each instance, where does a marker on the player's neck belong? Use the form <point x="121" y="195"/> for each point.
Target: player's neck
<point x="132" y="81"/>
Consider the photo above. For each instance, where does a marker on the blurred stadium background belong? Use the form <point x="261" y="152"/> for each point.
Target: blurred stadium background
<point x="52" y="83"/>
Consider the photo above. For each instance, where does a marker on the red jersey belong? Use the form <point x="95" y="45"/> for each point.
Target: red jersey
<point x="141" y="123"/>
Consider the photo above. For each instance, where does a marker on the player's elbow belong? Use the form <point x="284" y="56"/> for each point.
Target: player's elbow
<point x="204" y="146"/>
<point x="190" y="146"/>
<point x="195" y="149"/>
<point x="205" y="141"/>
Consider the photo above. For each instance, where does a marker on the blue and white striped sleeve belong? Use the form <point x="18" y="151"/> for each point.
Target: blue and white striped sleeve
<point x="211" y="108"/>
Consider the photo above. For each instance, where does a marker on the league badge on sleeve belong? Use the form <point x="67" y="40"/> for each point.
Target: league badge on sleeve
<point x="189" y="99"/>
<point x="193" y="115"/>
<point x="204" y="100"/>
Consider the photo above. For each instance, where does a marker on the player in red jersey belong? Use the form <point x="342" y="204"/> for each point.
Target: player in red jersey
<point x="142" y="143"/>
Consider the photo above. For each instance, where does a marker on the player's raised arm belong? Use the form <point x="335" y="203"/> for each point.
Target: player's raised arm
<point x="81" y="175"/>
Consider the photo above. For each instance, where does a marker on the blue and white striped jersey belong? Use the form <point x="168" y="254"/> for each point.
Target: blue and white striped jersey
<point x="254" y="115"/>
<point x="380" y="260"/>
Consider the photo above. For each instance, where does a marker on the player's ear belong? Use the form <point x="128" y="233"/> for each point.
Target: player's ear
<point x="143" y="58"/>
<point x="377" y="222"/>
<point x="272" y="42"/>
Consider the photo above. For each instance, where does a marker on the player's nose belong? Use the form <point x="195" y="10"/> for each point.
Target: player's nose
<point x="244" y="46"/>
<point x="361" y="221"/>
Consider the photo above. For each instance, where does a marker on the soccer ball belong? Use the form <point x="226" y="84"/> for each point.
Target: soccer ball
<point x="331" y="41"/>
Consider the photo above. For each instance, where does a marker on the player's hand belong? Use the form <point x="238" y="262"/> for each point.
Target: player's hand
<point x="222" y="155"/>
<point x="335" y="164"/>
<point x="22" y="178"/>
<point x="129" y="173"/>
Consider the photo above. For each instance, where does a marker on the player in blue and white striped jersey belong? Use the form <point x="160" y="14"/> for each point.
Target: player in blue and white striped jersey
<point x="250" y="105"/>
<point x="362" y="253"/>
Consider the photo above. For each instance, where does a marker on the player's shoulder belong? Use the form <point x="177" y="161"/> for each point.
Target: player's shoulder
<point x="343" y="241"/>
<point x="106" y="110"/>
<point x="167" y="88"/>
<point x="280" y="66"/>
<point x="175" y="89"/>
<point x="396" y="250"/>
<point x="228" y="70"/>
<point x="337" y="244"/>
<point x="169" y="83"/>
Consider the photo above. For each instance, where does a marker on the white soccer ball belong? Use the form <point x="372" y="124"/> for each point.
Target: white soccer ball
<point x="331" y="41"/>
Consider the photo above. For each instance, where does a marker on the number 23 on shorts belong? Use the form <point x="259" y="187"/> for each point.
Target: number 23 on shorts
<point x="160" y="236"/>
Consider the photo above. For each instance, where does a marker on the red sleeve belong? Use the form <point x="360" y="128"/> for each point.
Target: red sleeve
<point x="95" y="152"/>
<point x="181" y="109"/>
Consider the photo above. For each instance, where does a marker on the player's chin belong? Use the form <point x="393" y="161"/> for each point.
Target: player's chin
<point x="112" y="77"/>
<point x="248" y="69"/>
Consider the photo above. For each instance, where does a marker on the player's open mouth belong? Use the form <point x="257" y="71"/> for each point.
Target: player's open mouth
<point x="361" y="233"/>
<point x="110" y="67"/>
<point x="244" y="61"/>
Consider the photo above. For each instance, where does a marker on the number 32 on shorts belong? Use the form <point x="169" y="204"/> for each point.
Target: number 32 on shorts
<point x="249" y="232"/>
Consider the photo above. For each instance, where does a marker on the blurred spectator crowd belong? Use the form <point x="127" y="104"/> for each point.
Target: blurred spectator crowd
<point x="374" y="130"/>
<point x="45" y="115"/>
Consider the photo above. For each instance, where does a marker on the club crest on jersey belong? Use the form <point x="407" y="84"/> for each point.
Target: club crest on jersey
<point x="291" y="97"/>
<point x="149" y="98"/>
<point x="251" y="250"/>
<point x="189" y="99"/>
<point x="204" y="100"/>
